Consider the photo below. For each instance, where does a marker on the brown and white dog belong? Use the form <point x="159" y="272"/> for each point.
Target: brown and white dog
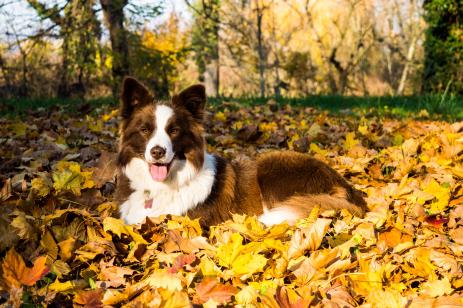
<point x="164" y="169"/>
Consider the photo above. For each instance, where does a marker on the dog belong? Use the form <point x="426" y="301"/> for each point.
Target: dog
<point x="164" y="168"/>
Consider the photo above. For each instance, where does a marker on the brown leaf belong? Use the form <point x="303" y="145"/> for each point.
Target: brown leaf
<point x="89" y="299"/>
<point x="249" y="133"/>
<point x="5" y="192"/>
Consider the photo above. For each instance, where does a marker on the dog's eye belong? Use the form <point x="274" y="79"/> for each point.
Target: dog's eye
<point x="173" y="130"/>
<point x="145" y="130"/>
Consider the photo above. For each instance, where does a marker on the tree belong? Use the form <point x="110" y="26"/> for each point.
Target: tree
<point x="205" y="42"/>
<point x="444" y="46"/>
<point x="113" y="11"/>
<point x="80" y="31"/>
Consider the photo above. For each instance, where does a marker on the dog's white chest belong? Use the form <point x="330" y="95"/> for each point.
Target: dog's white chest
<point x="187" y="188"/>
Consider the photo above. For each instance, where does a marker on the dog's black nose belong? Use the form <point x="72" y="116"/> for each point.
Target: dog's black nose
<point x="158" y="152"/>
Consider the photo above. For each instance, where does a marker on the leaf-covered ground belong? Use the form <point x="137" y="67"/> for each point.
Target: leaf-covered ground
<point x="60" y="245"/>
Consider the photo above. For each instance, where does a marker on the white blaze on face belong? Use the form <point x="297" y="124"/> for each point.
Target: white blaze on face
<point x="161" y="138"/>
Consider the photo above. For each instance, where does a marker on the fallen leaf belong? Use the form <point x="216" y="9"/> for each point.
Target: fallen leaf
<point x="17" y="274"/>
<point x="210" y="288"/>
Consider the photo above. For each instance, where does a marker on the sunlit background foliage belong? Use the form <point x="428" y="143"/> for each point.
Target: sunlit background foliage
<point x="77" y="48"/>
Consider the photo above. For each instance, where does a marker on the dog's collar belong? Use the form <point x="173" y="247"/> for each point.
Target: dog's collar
<point x="148" y="200"/>
<point x="148" y="203"/>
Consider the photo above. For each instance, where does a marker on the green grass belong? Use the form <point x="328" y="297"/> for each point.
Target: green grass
<point x="431" y="106"/>
<point x="447" y="107"/>
<point x="13" y="107"/>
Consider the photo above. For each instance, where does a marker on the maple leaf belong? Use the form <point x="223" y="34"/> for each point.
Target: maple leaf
<point x="442" y="195"/>
<point x="350" y="141"/>
<point x="16" y="274"/>
<point x="233" y="256"/>
<point x="68" y="176"/>
<point x="210" y="288"/>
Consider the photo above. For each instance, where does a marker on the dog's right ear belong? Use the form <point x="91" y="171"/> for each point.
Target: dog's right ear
<point x="133" y="94"/>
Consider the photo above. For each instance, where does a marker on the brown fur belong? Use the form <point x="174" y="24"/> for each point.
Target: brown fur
<point x="306" y="181"/>
<point x="235" y="191"/>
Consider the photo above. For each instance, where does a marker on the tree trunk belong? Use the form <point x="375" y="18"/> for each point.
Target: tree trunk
<point x="113" y="11"/>
<point x="260" y="50"/>
<point x="211" y="77"/>
<point x="403" y="78"/>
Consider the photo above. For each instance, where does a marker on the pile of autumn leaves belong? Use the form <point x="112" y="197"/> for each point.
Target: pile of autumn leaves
<point x="406" y="251"/>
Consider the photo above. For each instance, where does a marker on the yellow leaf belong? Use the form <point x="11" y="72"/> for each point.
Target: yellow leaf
<point x="227" y="253"/>
<point x="350" y="141"/>
<point x="66" y="248"/>
<point x="314" y="148"/>
<point x="40" y="186"/>
<point x="19" y="128"/>
<point x="441" y="192"/>
<point x="437" y="288"/>
<point x="68" y="176"/>
<point x="386" y="299"/>
<point x="314" y="130"/>
<point x="220" y="116"/>
<point x="164" y="280"/>
<point x="68" y="286"/>
<point x="236" y="257"/>
<point x="268" y="127"/>
<point x="363" y="129"/>
<point x="293" y="139"/>
<point x="118" y="227"/>
<point x="248" y="264"/>
<point x="308" y="238"/>
<point x="208" y="267"/>
<point x="177" y="300"/>
<point x="247" y="296"/>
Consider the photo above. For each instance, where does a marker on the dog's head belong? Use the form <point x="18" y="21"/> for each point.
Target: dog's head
<point x="165" y="135"/>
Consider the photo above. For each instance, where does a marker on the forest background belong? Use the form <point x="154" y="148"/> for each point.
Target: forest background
<point x="251" y="48"/>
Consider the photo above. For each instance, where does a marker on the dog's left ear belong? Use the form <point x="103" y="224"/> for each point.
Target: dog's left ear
<point x="192" y="99"/>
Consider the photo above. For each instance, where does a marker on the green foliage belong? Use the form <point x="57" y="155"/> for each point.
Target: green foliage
<point x="444" y="46"/>
<point x="205" y="33"/>
<point x="445" y="104"/>
<point x="299" y="67"/>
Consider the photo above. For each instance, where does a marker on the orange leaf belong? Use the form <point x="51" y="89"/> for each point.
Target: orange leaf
<point x="181" y="261"/>
<point x="210" y="288"/>
<point x="16" y="273"/>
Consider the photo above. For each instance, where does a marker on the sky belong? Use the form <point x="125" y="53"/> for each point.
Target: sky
<point x="18" y="18"/>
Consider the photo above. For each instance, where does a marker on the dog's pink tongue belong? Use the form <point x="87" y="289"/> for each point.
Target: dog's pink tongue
<point x="158" y="173"/>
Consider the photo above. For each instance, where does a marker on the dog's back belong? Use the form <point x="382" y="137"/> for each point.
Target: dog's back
<point x="292" y="183"/>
